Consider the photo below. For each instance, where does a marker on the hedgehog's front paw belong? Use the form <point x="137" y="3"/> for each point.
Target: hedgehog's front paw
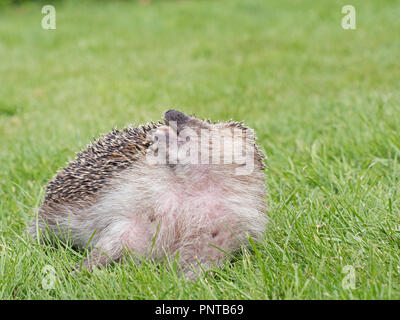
<point x="82" y="266"/>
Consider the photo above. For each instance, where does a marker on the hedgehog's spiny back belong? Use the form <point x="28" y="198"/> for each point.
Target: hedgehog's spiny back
<point x="83" y="178"/>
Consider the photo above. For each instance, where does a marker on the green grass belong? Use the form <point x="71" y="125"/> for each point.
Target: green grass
<point x="324" y="103"/>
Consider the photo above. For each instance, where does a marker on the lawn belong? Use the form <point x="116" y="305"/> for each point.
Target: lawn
<point x="323" y="101"/>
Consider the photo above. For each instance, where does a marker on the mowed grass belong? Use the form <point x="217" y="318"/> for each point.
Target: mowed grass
<point x="324" y="102"/>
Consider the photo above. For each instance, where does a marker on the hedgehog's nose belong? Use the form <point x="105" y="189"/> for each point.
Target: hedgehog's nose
<point x="177" y="116"/>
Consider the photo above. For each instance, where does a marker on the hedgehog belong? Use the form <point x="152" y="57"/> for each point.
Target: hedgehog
<point x="182" y="188"/>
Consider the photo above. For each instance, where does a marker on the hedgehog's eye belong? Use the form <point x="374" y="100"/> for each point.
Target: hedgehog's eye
<point x="187" y="139"/>
<point x="161" y="132"/>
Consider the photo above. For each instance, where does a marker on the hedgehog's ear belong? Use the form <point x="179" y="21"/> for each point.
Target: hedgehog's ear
<point x="176" y="116"/>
